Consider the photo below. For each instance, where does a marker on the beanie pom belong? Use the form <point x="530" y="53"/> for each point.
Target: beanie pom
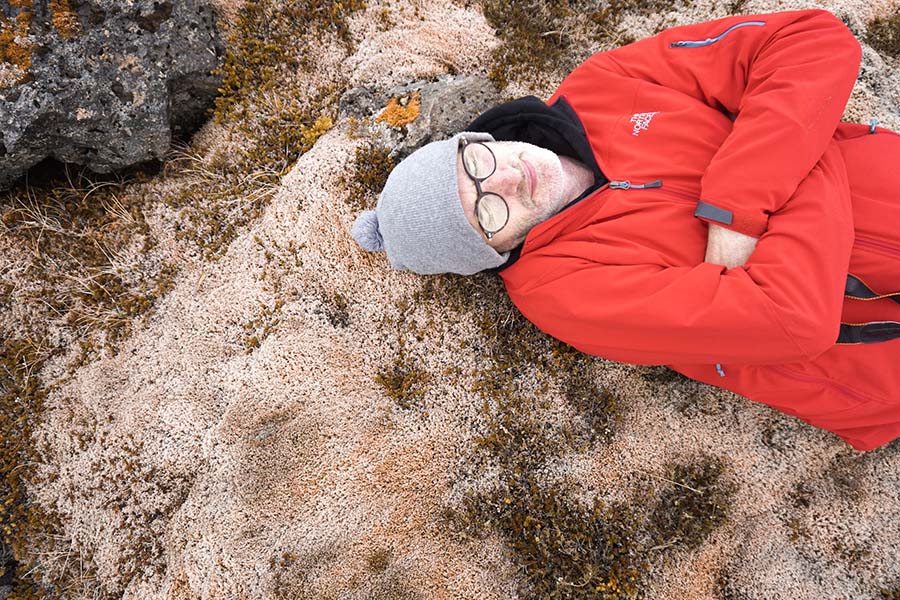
<point x="365" y="232"/>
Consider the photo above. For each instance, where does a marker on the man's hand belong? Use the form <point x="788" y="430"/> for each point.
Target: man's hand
<point x="727" y="247"/>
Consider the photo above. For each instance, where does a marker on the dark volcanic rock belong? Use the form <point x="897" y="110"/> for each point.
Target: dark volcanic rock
<point x="102" y="83"/>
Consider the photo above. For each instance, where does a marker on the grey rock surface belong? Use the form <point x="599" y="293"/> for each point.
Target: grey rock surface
<point x="109" y="81"/>
<point x="448" y="105"/>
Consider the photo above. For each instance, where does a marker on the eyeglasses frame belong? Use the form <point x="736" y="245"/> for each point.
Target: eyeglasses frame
<point x="481" y="194"/>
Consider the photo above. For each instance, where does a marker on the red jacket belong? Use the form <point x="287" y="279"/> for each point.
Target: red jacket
<point x="743" y="115"/>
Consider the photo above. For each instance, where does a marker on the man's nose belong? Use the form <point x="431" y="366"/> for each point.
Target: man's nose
<point x="506" y="180"/>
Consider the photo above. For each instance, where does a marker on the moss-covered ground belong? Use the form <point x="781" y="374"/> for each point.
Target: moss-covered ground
<point x="883" y="34"/>
<point x="91" y="268"/>
<point x="563" y="546"/>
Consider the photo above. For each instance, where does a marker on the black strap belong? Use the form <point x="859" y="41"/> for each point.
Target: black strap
<point x="868" y="333"/>
<point x="874" y="331"/>
<point x="856" y="289"/>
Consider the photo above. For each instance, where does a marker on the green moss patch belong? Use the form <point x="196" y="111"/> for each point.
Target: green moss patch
<point x="337" y="309"/>
<point x="21" y="405"/>
<point x="74" y="234"/>
<point x="264" y="104"/>
<point x="367" y="175"/>
<point x="404" y="381"/>
<point x="883" y="34"/>
<point x="562" y="548"/>
<point x="694" y="504"/>
<point x="543" y="38"/>
<point x="265" y="322"/>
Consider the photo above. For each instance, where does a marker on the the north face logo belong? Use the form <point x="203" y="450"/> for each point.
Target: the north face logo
<point x="641" y="121"/>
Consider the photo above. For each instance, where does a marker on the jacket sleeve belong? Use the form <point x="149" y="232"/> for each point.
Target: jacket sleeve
<point x="784" y="304"/>
<point x="785" y="77"/>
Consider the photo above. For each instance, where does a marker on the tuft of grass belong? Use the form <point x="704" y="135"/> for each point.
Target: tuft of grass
<point x="883" y="34"/>
<point x="72" y="234"/>
<point x="696" y="503"/>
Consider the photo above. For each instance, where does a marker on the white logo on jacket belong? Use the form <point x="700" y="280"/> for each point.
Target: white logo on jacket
<point x="641" y="121"/>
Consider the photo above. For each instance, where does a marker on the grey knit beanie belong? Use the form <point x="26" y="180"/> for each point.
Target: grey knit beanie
<point x="419" y="220"/>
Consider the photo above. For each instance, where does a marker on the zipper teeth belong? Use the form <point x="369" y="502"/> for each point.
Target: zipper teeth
<point x="708" y="41"/>
<point x="874" y="244"/>
<point x="821" y="380"/>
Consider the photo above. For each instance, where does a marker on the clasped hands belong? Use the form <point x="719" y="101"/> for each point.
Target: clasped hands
<point x="728" y="247"/>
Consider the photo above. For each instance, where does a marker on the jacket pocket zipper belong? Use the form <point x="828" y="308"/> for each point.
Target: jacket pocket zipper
<point x="809" y="379"/>
<point x="708" y="41"/>
<point x="877" y="245"/>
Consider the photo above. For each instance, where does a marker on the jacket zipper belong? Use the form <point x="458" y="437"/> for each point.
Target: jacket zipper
<point x="820" y="380"/>
<point x="877" y="245"/>
<point x="708" y="41"/>
<point x="627" y="185"/>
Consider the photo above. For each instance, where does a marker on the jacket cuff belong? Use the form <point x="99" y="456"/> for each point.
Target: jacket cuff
<point x="746" y="222"/>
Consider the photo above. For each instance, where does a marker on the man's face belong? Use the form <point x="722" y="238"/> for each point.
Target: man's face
<point x="528" y="177"/>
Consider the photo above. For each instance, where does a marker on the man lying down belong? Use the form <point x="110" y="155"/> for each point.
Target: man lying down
<point x="693" y="200"/>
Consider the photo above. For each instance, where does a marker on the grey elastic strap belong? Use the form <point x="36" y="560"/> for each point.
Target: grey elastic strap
<point x="713" y="213"/>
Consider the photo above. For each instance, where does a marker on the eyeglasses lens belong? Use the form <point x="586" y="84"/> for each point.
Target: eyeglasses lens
<point x="492" y="212"/>
<point x="478" y="161"/>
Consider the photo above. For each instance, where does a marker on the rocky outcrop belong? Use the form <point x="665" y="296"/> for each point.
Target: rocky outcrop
<point x="441" y="109"/>
<point x="102" y="83"/>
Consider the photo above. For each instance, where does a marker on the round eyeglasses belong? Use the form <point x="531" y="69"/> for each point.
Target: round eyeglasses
<point x="491" y="209"/>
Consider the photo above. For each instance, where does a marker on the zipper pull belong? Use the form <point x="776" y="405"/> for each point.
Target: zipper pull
<point x="625" y="185"/>
<point x="719" y="370"/>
